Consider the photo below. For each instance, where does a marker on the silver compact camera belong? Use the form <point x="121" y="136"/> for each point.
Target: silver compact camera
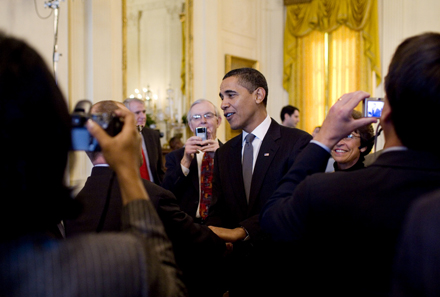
<point x="372" y="107"/>
<point x="201" y="132"/>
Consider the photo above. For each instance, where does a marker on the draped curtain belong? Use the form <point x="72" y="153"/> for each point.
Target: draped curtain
<point x="330" y="47"/>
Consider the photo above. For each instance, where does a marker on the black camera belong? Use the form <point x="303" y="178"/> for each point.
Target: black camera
<point x="81" y="138"/>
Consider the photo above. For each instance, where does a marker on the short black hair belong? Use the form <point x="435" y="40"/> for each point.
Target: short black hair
<point x="289" y="109"/>
<point x="251" y="79"/>
<point x="412" y="87"/>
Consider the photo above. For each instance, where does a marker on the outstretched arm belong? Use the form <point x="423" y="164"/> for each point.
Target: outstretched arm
<point x="276" y="217"/>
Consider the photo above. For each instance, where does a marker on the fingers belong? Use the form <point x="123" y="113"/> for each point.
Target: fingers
<point x="128" y="118"/>
<point x="351" y="100"/>
<point x="209" y="146"/>
<point x="123" y="149"/>
<point x="126" y="115"/>
<point x="339" y="121"/>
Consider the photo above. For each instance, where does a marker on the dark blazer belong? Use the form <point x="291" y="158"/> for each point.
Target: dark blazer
<point x="346" y="224"/>
<point x="417" y="265"/>
<point x="185" y="188"/>
<point x="278" y="151"/>
<point x="154" y="151"/>
<point x="250" y="261"/>
<point x="194" y="245"/>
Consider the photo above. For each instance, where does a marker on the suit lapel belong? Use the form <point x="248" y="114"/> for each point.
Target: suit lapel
<point x="148" y="140"/>
<point x="194" y="168"/>
<point x="266" y="155"/>
<point x="237" y="173"/>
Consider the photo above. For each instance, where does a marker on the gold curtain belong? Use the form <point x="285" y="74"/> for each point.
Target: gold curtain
<point x="330" y="47"/>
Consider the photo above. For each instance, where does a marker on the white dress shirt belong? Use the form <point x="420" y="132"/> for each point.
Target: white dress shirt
<point x="260" y="133"/>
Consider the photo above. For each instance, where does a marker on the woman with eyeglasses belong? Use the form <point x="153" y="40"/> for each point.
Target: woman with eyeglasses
<point x="349" y="153"/>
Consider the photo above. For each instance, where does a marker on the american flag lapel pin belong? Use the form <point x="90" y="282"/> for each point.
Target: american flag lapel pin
<point x="266" y="154"/>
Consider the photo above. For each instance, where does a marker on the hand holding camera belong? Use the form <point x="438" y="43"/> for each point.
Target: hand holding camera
<point x="122" y="153"/>
<point x="123" y="149"/>
<point x="207" y="144"/>
<point x="81" y="138"/>
<point x="198" y="143"/>
<point x="339" y="121"/>
<point x="372" y="107"/>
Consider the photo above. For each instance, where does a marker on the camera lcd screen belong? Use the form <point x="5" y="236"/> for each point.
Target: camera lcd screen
<point x="372" y="107"/>
<point x="201" y="132"/>
<point x="375" y="108"/>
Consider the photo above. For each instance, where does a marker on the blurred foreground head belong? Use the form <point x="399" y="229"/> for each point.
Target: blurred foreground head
<point x="412" y="88"/>
<point x="35" y="134"/>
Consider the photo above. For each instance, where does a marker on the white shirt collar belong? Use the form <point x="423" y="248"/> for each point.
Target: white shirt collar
<point x="394" y="149"/>
<point x="261" y="129"/>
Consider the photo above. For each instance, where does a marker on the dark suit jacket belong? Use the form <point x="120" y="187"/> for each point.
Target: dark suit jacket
<point x="278" y="151"/>
<point x="185" y="188"/>
<point x="154" y="151"/>
<point x="251" y="265"/>
<point x="194" y="245"/>
<point x="346" y="224"/>
<point x="417" y="265"/>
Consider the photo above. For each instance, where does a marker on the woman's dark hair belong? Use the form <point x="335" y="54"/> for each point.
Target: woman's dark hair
<point x="35" y="134"/>
<point x="251" y="79"/>
<point x="412" y="87"/>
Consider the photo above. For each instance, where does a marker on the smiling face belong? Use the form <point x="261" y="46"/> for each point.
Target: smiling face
<point x="243" y="109"/>
<point x="346" y="152"/>
<point x="211" y="124"/>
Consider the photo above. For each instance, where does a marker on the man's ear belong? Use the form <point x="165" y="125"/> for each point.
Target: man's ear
<point x="386" y="112"/>
<point x="363" y="149"/>
<point x="260" y="94"/>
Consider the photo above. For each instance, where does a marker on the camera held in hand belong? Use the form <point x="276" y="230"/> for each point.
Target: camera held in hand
<point x="372" y="107"/>
<point x="202" y="133"/>
<point x="81" y="138"/>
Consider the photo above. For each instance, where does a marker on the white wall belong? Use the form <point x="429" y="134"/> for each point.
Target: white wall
<point x="400" y="19"/>
<point x="19" y="18"/>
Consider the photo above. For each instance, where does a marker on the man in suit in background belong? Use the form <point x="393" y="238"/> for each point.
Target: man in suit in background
<point x="289" y="116"/>
<point x="194" y="245"/>
<point x="346" y="224"/>
<point x="240" y="190"/>
<point x="152" y="167"/>
<point x="184" y="166"/>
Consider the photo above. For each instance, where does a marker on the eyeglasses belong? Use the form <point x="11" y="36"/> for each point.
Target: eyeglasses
<point x="207" y="116"/>
<point x="351" y="136"/>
